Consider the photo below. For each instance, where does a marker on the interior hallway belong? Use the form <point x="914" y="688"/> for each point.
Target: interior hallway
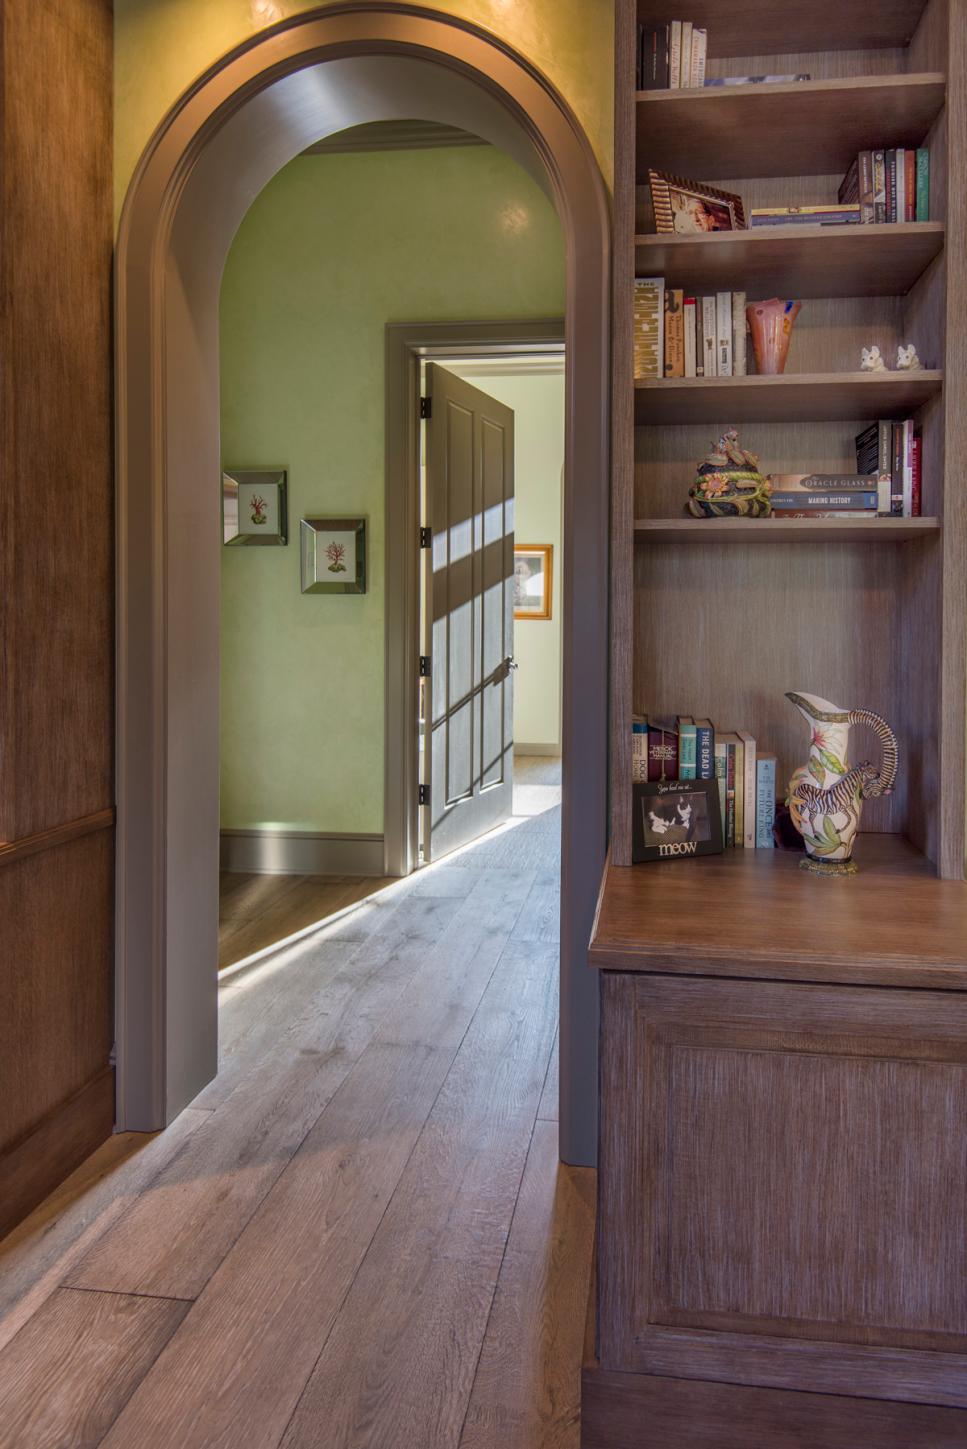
<point x="359" y="1234"/>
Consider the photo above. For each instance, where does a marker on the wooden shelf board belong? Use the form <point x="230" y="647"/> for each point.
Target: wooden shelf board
<point x="755" y="913"/>
<point x="785" y="29"/>
<point x="792" y="397"/>
<point x="783" y="530"/>
<point x="805" y="128"/>
<point x="795" y="261"/>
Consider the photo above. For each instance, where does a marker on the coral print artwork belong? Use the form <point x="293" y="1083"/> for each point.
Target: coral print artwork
<point x="333" y="555"/>
<point x="336" y="553"/>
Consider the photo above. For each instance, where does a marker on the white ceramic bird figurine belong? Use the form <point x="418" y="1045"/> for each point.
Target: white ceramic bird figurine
<point x="872" y="360"/>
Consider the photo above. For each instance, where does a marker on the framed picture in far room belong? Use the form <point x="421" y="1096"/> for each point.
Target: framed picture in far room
<point x="675" y="819"/>
<point x="333" y="555"/>
<point x="254" y="506"/>
<point x="688" y="207"/>
<point x="533" y="580"/>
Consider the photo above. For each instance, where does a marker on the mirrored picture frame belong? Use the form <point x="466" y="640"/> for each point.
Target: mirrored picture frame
<point x="333" y="555"/>
<point x="254" y="507"/>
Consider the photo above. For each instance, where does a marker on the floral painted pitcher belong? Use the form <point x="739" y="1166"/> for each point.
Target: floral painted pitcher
<point x="826" y="794"/>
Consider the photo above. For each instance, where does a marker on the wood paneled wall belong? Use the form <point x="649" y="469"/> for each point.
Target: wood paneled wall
<point x="56" y="583"/>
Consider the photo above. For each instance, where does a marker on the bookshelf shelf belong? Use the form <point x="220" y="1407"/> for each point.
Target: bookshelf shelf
<point x="773" y="531"/>
<point x="785" y="29"/>
<point x="806" y="128"/>
<point x="796" y="261"/>
<point x="791" y="398"/>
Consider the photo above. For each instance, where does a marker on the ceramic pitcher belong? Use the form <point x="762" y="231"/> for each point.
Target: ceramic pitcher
<point x="826" y="794"/>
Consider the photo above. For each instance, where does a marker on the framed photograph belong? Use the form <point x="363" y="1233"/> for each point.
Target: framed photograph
<point x="253" y="506"/>
<point x="533" y="580"/>
<point x="333" y="555"/>
<point x="687" y="207"/>
<point x="674" y="819"/>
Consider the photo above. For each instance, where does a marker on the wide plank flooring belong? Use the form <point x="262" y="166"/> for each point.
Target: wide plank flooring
<point x="359" y="1235"/>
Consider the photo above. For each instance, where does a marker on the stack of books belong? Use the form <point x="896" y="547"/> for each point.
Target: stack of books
<point x="672" y="57"/>
<point x="676" y="335"/>
<point x="894" y="450"/>
<point x="829" y="495"/>
<point x="685" y="748"/>
<point x="833" y="215"/>
<point x="889" y="185"/>
<point x="754" y="80"/>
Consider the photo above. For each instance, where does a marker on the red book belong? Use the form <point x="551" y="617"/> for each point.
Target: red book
<point x="916" y="492"/>
<point x="662" y="749"/>
<point x="910" y="183"/>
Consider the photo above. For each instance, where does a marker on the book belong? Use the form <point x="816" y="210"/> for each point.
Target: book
<point x="699" y="338"/>
<point x="889" y="171"/>
<point x="723" y="323"/>
<point x="687" y="748"/>
<point x="699" y="57"/>
<point x="738" y="335"/>
<point x="923" y="184"/>
<point x="747" y="837"/>
<point x="720" y="765"/>
<point x="685" y="63"/>
<point x="710" y="336"/>
<point x="649" y="327"/>
<point x="734" y="789"/>
<point x="896" y="471"/>
<point x="653" y="65"/>
<point x="867" y="502"/>
<point x="765" y="801"/>
<point x="910" y="184"/>
<point x="907" y="447"/>
<point x="854" y="513"/>
<point x="705" y="749"/>
<point x="674" y="332"/>
<point x="879" y="186"/>
<point x="675" y="55"/>
<point x="639" y="748"/>
<point x="831" y="215"/>
<point x="662" y="749"/>
<point x="754" y="80"/>
<point x="691" y="357"/>
<point x="820" y="482"/>
<point x="901" y="185"/>
<point x="849" y="187"/>
<point x="917" y="489"/>
<point x="866" y="197"/>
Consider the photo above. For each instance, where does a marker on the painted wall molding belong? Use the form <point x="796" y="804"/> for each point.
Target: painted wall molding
<point x="301" y="852"/>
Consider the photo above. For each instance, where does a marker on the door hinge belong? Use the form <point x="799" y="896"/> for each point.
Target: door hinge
<point x="424" y="666"/>
<point x="424" y="794"/>
<point x="426" y="537"/>
<point x="426" y="407"/>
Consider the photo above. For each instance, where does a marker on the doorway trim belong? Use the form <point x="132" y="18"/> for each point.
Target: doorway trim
<point x="262" y="104"/>
<point x="408" y="345"/>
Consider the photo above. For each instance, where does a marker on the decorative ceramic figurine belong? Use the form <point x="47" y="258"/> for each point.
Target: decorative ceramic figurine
<point x="907" y="359"/>
<point x="872" y="360"/>
<point x="826" y="794"/>
<point x="729" y="484"/>
<point x="771" y="326"/>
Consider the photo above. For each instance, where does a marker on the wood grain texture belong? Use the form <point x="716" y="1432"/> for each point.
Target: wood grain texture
<point x="641" y="1411"/>
<point x="830" y="25"/>
<point x="822" y="123"/>
<point x="58" y="835"/>
<point x="794" y="397"/>
<point x="267" y="909"/>
<point x="871" y="1252"/>
<point x="527" y="1391"/>
<point x="69" y="1370"/>
<point x="548" y="1109"/>
<point x="783" y="530"/>
<point x="893" y="924"/>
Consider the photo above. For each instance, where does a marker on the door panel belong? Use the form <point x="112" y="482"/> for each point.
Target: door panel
<point x="470" y="502"/>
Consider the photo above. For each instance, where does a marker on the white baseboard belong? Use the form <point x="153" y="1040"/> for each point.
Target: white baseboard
<point x="553" y="750"/>
<point x="300" y="852"/>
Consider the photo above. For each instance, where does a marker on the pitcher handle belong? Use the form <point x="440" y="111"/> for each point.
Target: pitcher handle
<point x="883" y="783"/>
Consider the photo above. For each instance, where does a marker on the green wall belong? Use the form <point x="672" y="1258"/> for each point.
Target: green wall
<point x="161" y="46"/>
<point x="333" y="249"/>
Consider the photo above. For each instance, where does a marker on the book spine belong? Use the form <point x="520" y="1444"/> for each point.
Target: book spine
<point x="729" y="827"/>
<point x="639" y="751"/>
<point x="649" y="327"/>
<point x="849" y="187"/>
<point x="879" y="186"/>
<point x="705" y="752"/>
<point x="640" y="58"/>
<point x="720" y="765"/>
<point x="889" y="172"/>
<point x="739" y="793"/>
<point x="710" y="336"/>
<point x="662" y="753"/>
<point x="910" y="184"/>
<point x="748" y="797"/>
<point x="765" y="801"/>
<point x="907" y="428"/>
<point x="738" y="335"/>
<point x="917" y="490"/>
<point x="901" y="184"/>
<point x="866" y="187"/>
<point x="685" y="64"/>
<point x="699" y="56"/>
<point x="687" y="752"/>
<point x="675" y="55"/>
<point x="923" y="184"/>
<point x="896" y="469"/>
<point x="867" y="501"/>
<point x="691" y="353"/>
<point x="699" y="338"/>
<point x="674" y="332"/>
<point x="723" y="322"/>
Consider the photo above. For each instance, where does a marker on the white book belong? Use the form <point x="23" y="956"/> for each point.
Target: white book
<point x="690" y="357"/>
<point x="649" y="327"/>
<point x="738" y="334"/>
<point x="748" y="778"/>
<point x="699" y="53"/>
<point x="675" y="55"/>
<point x="723" y="313"/>
<point x="710" y="337"/>
<point x="884" y="494"/>
<point x="685" y="66"/>
<point x="901" y="186"/>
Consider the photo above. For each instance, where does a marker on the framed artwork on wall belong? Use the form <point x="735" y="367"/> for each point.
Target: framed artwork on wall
<point x="533" y="580"/>
<point x="333" y="555"/>
<point x="254" y="506"/>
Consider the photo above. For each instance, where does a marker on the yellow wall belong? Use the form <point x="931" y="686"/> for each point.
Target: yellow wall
<point x="161" y="46"/>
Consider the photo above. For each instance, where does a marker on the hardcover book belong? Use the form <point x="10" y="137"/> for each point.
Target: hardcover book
<point x="879" y="186"/>
<point x="705" y="749"/>
<point x="755" y="80"/>
<point x="734" y="787"/>
<point x="901" y="185"/>
<point x="923" y="184"/>
<point x="851" y="501"/>
<point x="699" y="338"/>
<point x="723" y="315"/>
<point x="765" y="801"/>
<point x="691" y="352"/>
<point x="738" y="334"/>
<point x="910" y="184"/>
<point x="674" y="332"/>
<point x="662" y="749"/>
<point x="720" y="764"/>
<point x="699" y="55"/>
<point x="675" y="55"/>
<point x="687" y="748"/>
<point x="649" y="327"/>
<point x="866" y="197"/>
<point x="710" y="336"/>
<point x="747" y="837"/>
<point x="639" y="748"/>
<point x="917" y="474"/>
<point x="685" y="64"/>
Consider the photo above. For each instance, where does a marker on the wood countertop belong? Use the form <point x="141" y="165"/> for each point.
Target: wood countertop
<point x="754" y="913"/>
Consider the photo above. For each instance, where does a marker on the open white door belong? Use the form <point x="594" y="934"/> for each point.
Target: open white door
<point x="469" y="759"/>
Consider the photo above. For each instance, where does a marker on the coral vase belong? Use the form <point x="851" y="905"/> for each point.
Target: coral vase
<point x="771" y="326"/>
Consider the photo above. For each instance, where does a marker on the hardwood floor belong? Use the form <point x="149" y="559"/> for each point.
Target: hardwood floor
<point x="359" y="1234"/>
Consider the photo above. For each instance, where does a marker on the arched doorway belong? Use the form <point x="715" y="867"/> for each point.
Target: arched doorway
<point x="238" y="125"/>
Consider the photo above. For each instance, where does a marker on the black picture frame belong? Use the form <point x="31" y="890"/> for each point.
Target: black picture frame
<point x="676" y="820"/>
